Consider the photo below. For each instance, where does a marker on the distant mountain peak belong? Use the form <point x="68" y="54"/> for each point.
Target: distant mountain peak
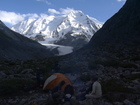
<point x="53" y="29"/>
<point x="76" y="13"/>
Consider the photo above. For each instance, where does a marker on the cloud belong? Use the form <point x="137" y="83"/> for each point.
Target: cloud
<point x="53" y="11"/>
<point x="43" y="15"/>
<point x="66" y="11"/>
<point x="121" y="0"/>
<point x="30" y="16"/>
<point x="61" y="11"/>
<point x="45" y="1"/>
<point x="12" y="18"/>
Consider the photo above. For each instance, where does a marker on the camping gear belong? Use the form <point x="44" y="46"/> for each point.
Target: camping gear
<point x="54" y="80"/>
<point x="69" y="91"/>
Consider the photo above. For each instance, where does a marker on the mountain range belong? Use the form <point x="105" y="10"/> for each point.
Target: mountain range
<point x="74" y="30"/>
<point x="61" y="35"/>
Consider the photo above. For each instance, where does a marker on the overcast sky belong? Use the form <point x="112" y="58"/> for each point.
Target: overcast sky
<point x="14" y="11"/>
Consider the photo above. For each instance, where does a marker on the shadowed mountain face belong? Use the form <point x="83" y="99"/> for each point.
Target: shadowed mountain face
<point x="118" y="40"/>
<point x="15" y="46"/>
<point x="121" y="33"/>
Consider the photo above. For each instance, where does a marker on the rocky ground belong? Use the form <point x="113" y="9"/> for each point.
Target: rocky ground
<point x="121" y="86"/>
<point x="37" y="97"/>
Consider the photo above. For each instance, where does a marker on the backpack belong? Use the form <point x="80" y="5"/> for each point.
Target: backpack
<point x="68" y="91"/>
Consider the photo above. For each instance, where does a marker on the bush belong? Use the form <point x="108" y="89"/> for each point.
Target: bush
<point x="134" y="76"/>
<point x="13" y="86"/>
<point x="114" y="86"/>
<point x="111" y="62"/>
<point x="71" y="68"/>
<point x="128" y="65"/>
<point x="85" y="77"/>
<point x="105" y="62"/>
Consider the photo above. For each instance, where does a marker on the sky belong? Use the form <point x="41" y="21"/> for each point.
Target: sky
<point x="15" y="11"/>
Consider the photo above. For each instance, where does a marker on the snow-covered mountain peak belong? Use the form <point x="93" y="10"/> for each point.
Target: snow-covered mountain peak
<point x="53" y="29"/>
<point x="75" y="13"/>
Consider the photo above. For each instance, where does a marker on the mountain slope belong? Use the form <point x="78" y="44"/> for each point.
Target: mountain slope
<point x="61" y="30"/>
<point x="120" y="35"/>
<point x="15" y="46"/>
<point x="116" y="44"/>
<point x="122" y="27"/>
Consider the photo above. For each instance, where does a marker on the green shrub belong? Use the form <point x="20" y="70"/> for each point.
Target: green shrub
<point x="71" y="68"/>
<point x="134" y="76"/>
<point x="128" y="65"/>
<point x="85" y="77"/>
<point x="113" y="85"/>
<point x="13" y="86"/>
<point x="110" y="62"/>
<point x="135" y="58"/>
<point x="106" y="62"/>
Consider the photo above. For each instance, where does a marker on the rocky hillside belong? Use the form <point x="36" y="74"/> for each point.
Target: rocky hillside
<point x="15" y="46"/>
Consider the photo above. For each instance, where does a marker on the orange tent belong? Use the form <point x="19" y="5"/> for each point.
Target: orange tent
<point x="54" y="80"/>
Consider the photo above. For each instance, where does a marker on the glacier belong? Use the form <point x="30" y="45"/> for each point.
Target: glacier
<point x="55" y="29"/>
